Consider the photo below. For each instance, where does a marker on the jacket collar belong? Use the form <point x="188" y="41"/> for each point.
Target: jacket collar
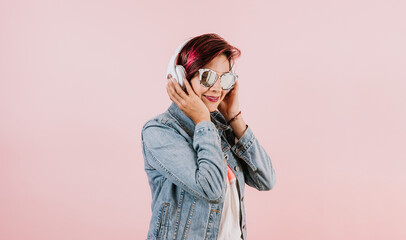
<point x="189" y="126"/>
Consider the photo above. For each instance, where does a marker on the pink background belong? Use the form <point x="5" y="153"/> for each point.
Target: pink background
<point x="322" y="84"/>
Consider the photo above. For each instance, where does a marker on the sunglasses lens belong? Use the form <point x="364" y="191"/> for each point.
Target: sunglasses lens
<point x="227" y="81"/>
<point x="208" y="78"/>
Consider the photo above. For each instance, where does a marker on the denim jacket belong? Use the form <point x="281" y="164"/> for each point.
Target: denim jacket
<point x="186" y="166"/>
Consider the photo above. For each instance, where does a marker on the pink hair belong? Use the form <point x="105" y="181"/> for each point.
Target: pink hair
<point x="200" y="50"/>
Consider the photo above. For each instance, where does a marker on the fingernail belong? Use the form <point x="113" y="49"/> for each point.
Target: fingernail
<point x="169" y="76"/>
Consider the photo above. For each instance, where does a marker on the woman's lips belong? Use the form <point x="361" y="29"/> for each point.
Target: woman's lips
<point x="212" y="99"/>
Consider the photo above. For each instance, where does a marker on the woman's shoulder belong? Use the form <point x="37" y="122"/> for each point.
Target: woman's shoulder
<point x="163" y="122"/>
<point x="159" y="120"/>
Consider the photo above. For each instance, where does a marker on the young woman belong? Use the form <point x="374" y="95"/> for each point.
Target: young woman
<point x="200" y="153"/>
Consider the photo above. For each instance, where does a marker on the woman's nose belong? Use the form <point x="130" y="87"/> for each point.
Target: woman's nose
<point x="216" y="86"/>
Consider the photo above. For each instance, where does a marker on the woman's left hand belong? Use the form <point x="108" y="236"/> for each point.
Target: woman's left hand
<point x="230" y="105"/>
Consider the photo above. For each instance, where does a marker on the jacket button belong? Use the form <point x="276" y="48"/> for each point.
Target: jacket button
<point x="226" y="157"/>
<point x="236" y="168"/>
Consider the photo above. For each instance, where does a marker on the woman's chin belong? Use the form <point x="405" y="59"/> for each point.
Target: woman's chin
<point x="211" y="107"/>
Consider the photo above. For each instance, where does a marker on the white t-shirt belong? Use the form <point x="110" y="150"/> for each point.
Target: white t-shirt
<point x="230" y="219"/>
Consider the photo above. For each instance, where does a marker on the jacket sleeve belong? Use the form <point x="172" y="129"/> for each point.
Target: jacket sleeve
<point x="199" y="168"/>
<point x="257" y="166"/>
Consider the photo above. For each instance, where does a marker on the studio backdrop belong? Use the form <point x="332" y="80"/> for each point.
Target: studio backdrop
<point x="322" y="85"/>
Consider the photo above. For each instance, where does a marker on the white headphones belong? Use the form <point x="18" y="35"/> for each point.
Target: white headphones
<point x="178" y="71"/>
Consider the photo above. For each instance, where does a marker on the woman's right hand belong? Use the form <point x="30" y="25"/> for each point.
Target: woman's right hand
<point x="189" y="102"/>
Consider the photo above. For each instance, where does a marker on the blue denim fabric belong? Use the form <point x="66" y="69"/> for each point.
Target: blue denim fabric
<point x="186" y="166"/>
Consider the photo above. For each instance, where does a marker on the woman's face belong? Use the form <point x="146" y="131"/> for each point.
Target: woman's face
<point x="213" y="95"/>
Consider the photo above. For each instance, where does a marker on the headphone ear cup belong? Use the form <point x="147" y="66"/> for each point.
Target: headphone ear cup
<point x="181" y="75"/>
<point x="177" y="71"/>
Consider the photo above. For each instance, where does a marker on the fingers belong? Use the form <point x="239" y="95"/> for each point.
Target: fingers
<point x="188" y="87"/>
<point x="173" y="94"/>
<point x="235" y="87"/>
<point x="170" y="94"/>
<point x="178" y="89"/>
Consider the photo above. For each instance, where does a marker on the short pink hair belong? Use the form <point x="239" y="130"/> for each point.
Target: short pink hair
<point x="200" y="50"/>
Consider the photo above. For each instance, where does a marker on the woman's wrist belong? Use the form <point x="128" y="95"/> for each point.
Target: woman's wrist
<point x="239" y="126"/>
<point x="233" y="117"/>
<point x="229" y="116"/>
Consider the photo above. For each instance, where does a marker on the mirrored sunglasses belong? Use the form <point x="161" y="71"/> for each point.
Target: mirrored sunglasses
<point x="209" y="77"/>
